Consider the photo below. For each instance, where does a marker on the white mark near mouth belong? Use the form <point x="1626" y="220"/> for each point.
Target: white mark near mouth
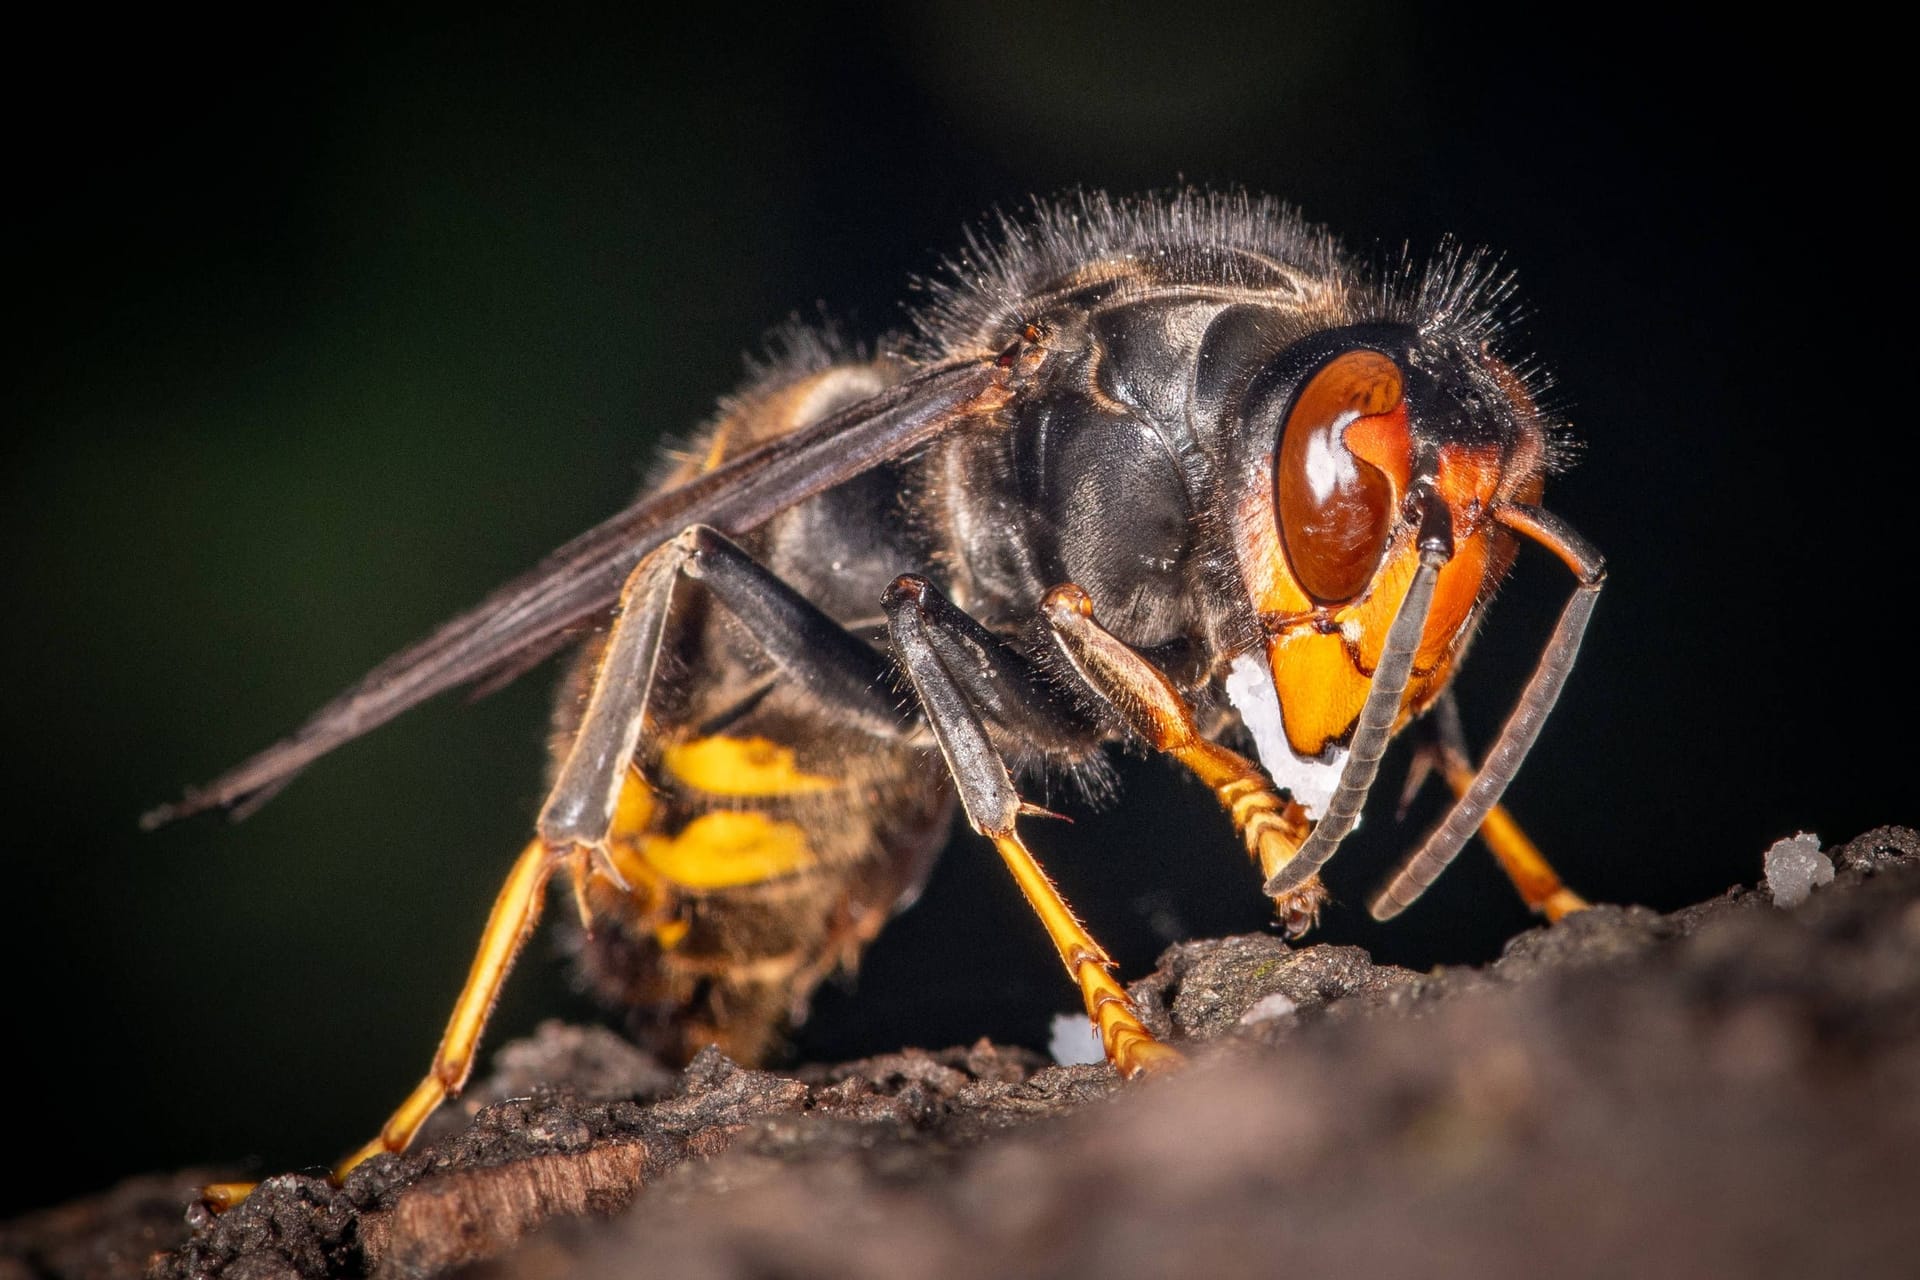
<point x="1311" y="782"/>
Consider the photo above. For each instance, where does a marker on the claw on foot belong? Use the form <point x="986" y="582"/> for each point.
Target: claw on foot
<point x="1142" y="1055"/>
<point x="1298" y="910"/>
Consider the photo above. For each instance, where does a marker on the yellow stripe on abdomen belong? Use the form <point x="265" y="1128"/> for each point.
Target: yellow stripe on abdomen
<point x="726" y="849"/>
<point x="741" y="767"/>
<point x="720" y="848"/>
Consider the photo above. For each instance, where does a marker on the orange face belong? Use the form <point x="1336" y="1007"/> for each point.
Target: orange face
<point x="1326" y="555"/>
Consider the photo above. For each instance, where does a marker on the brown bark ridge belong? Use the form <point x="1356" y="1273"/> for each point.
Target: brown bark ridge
<point x="1730" y="1089"/>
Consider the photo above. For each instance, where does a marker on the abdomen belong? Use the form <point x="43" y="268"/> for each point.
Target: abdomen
<point x="764" y="843"/>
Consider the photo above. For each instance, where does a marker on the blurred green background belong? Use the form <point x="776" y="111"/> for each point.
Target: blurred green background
<point x="320" y="333"/>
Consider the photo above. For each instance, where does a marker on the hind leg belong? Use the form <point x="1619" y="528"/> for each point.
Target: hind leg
<point x="845" y="674"/>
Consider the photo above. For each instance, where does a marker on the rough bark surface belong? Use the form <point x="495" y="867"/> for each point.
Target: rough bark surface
<point x="1730" y="1089"/>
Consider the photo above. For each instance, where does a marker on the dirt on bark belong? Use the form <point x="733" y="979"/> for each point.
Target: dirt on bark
<point x="1730" y="1089"/>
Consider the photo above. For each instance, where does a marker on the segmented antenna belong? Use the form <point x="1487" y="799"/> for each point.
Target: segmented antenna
<point x="1522" y="727"/>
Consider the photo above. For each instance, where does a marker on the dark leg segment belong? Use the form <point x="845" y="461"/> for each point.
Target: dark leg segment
<point x="1010" y="695"/>
<point x="849" y="677"/>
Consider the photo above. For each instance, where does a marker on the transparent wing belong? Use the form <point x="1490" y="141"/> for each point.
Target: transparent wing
<point x="531" y="616"/>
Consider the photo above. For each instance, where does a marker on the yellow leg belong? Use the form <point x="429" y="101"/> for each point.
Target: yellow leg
<point x="222" y="1196"/>
<point x="515" y="912"/>
<point x="1271" y="828"/>
<point x="1539" y="885"/>
<point x="1130" y="1047"/>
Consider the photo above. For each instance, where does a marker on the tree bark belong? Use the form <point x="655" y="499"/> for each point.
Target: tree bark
<point x="1730" y="1089"/>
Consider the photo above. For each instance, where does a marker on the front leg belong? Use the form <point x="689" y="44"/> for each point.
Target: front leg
<point x="1444" y="750"/>
<point x="1272" y="829"/>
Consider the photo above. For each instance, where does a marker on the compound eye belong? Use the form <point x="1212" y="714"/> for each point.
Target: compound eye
<point x="1336" y="504"/>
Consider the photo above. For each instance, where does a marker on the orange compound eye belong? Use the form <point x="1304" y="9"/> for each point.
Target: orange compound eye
<point x="1346" y="431"/>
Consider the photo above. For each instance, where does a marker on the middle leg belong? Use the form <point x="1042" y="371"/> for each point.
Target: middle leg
<point x="921" y="626"/>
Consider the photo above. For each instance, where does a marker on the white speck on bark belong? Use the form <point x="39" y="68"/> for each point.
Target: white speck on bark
<point x="1074" y="1041"/>
<point x="1268" y="1009"/>
<point x="1795" y="867"/>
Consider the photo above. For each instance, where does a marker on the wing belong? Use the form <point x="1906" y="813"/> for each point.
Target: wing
<point x="528" y="618"/>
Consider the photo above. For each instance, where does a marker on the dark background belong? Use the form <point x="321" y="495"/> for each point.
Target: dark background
<point x="321" y="333"/>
